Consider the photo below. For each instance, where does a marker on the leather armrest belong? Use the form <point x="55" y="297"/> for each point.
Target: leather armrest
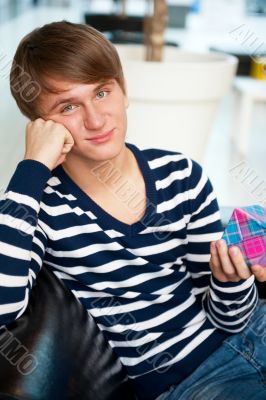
<point x="55" y="350"/>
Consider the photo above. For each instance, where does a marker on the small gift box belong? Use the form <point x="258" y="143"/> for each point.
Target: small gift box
<point x="247" y="230"/>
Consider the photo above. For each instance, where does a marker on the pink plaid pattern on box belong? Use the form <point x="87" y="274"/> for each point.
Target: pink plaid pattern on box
<point x="254" y="247"/>
<point x="247" y="230"/>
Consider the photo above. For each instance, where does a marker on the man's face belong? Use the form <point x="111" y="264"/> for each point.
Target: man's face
<point x="94" y="114"/>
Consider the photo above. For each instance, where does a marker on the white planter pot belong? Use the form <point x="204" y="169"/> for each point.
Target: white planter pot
<point x="172" y="104"/>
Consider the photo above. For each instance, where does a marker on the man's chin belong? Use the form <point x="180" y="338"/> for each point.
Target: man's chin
<point x="97" y="154"/>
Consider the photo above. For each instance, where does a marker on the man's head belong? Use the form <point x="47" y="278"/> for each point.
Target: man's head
<point x="79" y="74"/>
<point x="60" y="51"/>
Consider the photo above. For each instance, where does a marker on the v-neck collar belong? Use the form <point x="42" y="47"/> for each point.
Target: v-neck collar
<point x="106" y="220"/>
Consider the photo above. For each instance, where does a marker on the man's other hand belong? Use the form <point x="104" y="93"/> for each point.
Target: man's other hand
<point x="228" y="265"/>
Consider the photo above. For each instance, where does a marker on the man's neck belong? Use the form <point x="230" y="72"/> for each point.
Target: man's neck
<point x="90" y="175"/>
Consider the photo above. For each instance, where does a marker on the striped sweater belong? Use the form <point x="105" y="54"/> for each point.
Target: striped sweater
<point x="148" y="285"/>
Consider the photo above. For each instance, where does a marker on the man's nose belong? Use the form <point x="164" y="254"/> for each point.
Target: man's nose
<point x="93" y="117"/>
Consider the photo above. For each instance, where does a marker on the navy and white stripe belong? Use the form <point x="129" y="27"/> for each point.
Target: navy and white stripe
<point x="148" y="285"/>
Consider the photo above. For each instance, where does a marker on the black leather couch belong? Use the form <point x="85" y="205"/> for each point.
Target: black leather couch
<point x="55" y="351"/>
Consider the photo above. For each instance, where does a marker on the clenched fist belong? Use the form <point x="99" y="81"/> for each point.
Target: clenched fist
<point x="47" y="142"/>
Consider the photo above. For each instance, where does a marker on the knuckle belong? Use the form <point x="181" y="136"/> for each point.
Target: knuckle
<point x="38" y="121"/>
<point x="243" y="274"/>
<point x="230" y="274"/>
<point x="49" y="122"/>
<point x="229" y="270"/>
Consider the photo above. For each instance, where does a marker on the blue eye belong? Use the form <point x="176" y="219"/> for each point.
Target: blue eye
<point x="101" y="94"/>
<point x="68" y="108"/>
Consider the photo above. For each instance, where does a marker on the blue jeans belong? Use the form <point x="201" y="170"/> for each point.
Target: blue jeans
<point x="236" y="371"/>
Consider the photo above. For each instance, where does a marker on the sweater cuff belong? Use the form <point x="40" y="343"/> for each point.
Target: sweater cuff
<point x="232" y="287"/>
<point x="30" y="178"/>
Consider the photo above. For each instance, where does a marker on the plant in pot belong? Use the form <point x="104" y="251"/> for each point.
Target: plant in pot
<point x="173" y="93"/>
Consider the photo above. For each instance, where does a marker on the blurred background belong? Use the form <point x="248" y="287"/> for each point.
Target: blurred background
<point x="220" y="102"/>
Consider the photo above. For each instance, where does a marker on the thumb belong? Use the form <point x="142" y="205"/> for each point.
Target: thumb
<point x="260" y="272"/>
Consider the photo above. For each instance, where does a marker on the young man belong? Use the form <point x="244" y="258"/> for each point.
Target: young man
<point x="127" y="231"/>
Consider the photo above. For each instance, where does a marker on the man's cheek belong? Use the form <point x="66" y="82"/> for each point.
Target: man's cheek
<point x="73" y="126"/>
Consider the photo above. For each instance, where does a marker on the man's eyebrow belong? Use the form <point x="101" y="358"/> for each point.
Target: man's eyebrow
<point x="62" y="101"/>
<point x="74" y="99"/>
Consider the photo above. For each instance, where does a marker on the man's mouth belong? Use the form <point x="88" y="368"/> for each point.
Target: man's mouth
<point x="101" y="138"/>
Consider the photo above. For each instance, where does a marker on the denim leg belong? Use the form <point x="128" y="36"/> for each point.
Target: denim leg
<point x="166" y="395"/>
<point x="236" y="371"/>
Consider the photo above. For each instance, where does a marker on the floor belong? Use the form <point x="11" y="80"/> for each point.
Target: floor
<point x="237" y="180"/>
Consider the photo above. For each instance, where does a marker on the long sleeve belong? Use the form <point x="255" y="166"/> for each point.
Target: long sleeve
<point x="22" y="241"/>
<point x="228" y="305"/>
